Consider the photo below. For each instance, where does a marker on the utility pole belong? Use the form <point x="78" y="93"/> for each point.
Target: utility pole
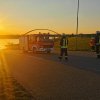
<point x="77" y="27"/>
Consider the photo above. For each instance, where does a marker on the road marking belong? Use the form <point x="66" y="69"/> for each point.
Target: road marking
<point x="7" y="82"/>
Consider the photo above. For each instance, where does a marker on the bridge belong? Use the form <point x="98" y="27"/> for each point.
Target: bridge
<point x="17" y="36"/>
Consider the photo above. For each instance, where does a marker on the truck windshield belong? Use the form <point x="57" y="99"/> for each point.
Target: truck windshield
<point x="45" y="38"/>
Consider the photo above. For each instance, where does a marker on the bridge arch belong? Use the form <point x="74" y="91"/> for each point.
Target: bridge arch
<point x="41" y="29"/>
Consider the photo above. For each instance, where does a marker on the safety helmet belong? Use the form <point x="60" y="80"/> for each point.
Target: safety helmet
<point x="63" y="35"/>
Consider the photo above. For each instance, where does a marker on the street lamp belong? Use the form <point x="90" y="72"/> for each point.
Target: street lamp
<point x="77" y="23"/>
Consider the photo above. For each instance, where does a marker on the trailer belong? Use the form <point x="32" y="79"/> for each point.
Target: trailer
<point x="37" y="43"/>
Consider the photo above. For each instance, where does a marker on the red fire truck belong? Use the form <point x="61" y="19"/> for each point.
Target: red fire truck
<point x="37" y="43"/>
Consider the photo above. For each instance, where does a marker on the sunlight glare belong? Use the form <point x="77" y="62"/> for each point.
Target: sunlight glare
<point x="2" y="25"/>
<point x="2" y="47"/>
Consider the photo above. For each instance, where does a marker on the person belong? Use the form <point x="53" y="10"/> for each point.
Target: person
<point x="63" y="47"/>
<point x="92" y="44"/>
<point x="97" y="40"/>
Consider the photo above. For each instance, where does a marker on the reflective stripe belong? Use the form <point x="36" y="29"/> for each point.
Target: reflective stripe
<point x="98" y="44"/>
<point x="64" y="44"/>
<point x="66" y="56"/>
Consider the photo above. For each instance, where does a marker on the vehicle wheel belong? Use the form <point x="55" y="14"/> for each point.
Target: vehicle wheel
<point x="34" y="50"/>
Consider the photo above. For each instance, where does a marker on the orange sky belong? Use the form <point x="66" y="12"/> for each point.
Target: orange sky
<point x="20" y="16"/>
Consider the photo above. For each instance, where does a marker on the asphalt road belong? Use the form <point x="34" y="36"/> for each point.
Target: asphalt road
<point x="82" y="60"/>
<point x="48" y="79"/>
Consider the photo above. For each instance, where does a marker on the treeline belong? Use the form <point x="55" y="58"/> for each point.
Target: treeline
<point x="9" y="36"/>
<point x="82" y="35"/>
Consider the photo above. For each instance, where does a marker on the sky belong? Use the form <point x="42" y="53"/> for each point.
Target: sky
<point x="20" y="16"/>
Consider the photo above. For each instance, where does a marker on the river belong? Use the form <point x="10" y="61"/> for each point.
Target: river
<point x="4" y="42"/>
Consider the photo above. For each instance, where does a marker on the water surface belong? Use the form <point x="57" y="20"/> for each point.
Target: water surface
<point x="4" y="42"/>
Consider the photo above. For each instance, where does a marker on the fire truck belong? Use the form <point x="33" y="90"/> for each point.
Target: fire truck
<point x="37" y="43"/>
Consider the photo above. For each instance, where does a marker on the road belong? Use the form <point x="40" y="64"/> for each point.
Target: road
<point x="45" y="78"/>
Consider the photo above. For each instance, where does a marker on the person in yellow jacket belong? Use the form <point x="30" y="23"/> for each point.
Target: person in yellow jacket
<point x="92" y="44"/>
<point x="63" y="47"/>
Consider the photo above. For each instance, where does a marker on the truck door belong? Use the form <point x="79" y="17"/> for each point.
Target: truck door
<point x="26" y="43"/>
